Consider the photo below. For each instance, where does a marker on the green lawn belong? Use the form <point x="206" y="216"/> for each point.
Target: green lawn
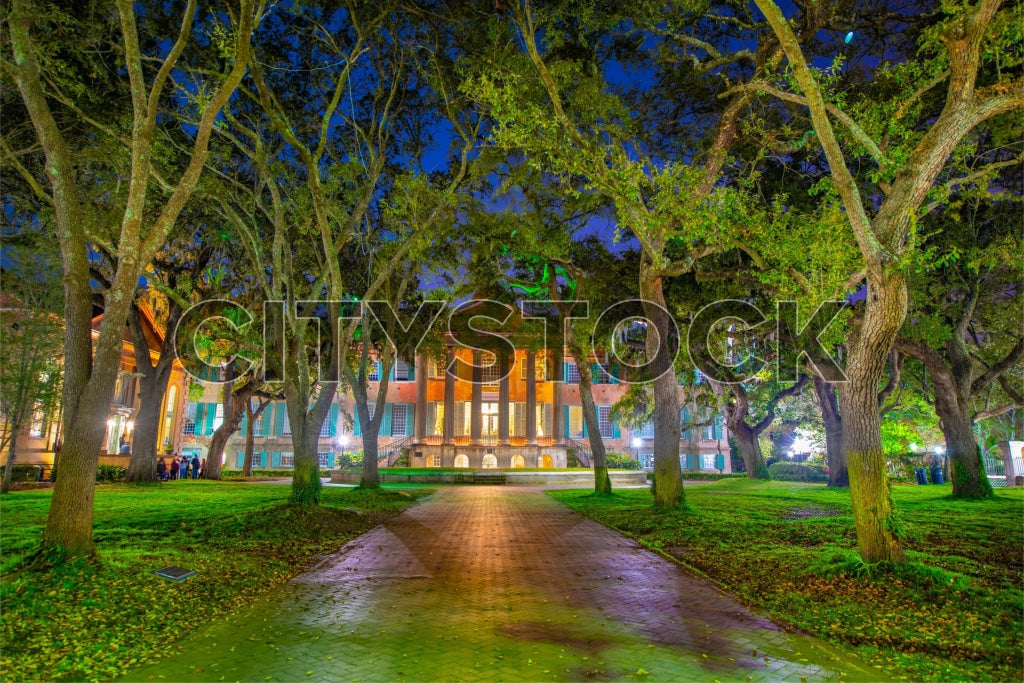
<point x="96" y="619"/>
<point x="956" y="611"/>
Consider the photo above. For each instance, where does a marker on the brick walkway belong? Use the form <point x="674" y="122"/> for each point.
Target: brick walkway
<point x="498" y="583"/>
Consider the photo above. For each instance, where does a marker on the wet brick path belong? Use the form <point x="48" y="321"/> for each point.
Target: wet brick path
<point x="498" y="583"/>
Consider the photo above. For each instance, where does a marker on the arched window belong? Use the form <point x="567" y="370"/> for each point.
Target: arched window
<point x="545" y="461"/>
<point x="490" y="462"/>
<point x="518" y="461"/>
<point x="461" y="460"/>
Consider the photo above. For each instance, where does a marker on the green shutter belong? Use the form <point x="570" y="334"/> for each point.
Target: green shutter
<point x="720" y="462"/>
<point x="245" y="424"/>
<point x="616" y="432"/>
<point x="412" y="372"/>
<point x="241" y="459"/>
<point x="330" y="459"/>
<point x="211" y="414"/>
<point x="333" y="429"/>
<point x="565" y="419"/>
<point x="267" y="414"/>
<point x="596" y="375"/>
<point x="357" y="427"/>
<point x="279" y="412"/>
<point x="275" y="459"/>
<point x="615" y="374"/>
<point x="718" y="427"/>
<point x="583" y="419"/>
<point x="410" y="418"/>
<point x="385" y="424"/>
<point x="565" y="374"/>
<point x="200" y="412"/>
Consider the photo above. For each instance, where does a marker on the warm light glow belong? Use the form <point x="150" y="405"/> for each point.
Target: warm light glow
<point x="111" y="423"/>
<point x="128" y="425"/>
<point x="638" y="442"/>
<point x="939" y="450"/>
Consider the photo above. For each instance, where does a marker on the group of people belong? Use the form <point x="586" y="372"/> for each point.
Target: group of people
<point x="181" y="468"/>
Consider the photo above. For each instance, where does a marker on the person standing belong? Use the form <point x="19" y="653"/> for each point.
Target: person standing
<point x="183" y="470"/>
<point x="161" y="469"/>
<point x="175" y="467"/>
<point x="195" y="466"/>
<point x="202" y="469"/>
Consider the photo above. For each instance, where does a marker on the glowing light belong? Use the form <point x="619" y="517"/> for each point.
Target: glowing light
<point x="849" y="38"/>
<point x="342" y="440"/>
<point x="638" y="442"/>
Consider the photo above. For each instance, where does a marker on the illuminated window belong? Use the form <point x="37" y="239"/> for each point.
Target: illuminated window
<point x="576" y="421"/>
<point x="398" y="419"/>
<point x="288" y="459"/>
<point x="435" y="461"/>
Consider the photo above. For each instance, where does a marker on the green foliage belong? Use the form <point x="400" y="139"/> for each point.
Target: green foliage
<point x="620" y="461"/>
<point x="348" y="459"/>
<point x="951" y="612"/>
<point x="792" y="471"/>
<point x="22" y="472"/>
<point x="110" y="473"/>
<point x="244" y="541"/>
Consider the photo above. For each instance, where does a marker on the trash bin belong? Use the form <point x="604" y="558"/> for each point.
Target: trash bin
<point x="937" y="474"/>
<point x="921" y="476"/>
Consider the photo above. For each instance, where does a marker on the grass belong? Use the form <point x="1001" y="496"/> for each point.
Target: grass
<point x="95" y="619"/>
<point x="955" y="611"/>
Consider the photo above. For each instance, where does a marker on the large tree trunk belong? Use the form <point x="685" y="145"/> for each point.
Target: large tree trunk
<point x="966" y="466"/>
<point x="306" y="426"/>
<point x="878" y="528"/>
<point x="249" y="447"/>
<point x="250" y="436"/>
<point x="830" y="417"/>
<point x="306" y="485"/>
<point x="142" y="464"/>
<point x="371" y="475"/>
<point x="12" y="457"/>
<point x="234" y="402"/>
<point x="668" y="480"/>
<point x="750" y="449"/>
<point x="152" y="387"/>
<point x="602" y="482"/>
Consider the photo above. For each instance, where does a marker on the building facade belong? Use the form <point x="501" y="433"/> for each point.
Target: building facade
<point x="474" y="417"/>
<point x="40" y="443"/>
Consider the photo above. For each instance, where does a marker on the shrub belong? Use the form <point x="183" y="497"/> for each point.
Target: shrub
<point x="618" y="461"/>
<point x="348" y="459"/>
<point x="572" y="458"/>
<point x="111" y="473"/>
<point x="403" y="457"/>
<point x="791" y="471"/>
<point x="22" y="472"/>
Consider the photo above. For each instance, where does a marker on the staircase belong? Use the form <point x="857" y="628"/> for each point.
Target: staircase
<point x="388" y="455"/>
<point x="583" y="453"/>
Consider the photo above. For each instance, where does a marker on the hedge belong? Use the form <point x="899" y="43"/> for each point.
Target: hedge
<point x="791" y="471"/>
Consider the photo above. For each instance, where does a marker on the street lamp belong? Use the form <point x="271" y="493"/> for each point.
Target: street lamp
<point x="342" y="440"/>
<point x="637" y="443"/>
